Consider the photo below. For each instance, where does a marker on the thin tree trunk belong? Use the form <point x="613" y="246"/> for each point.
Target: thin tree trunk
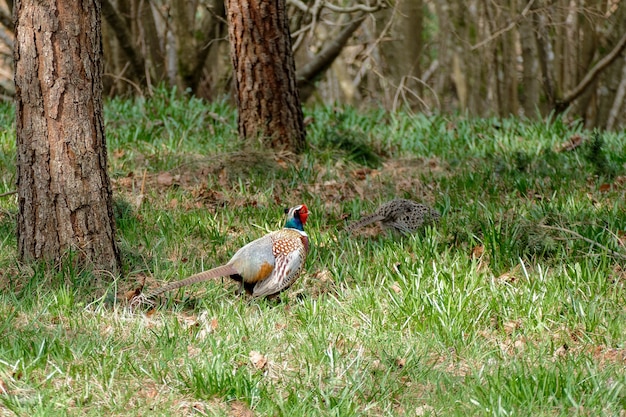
<point x="183" y="27"/>
<point x="64" y="193"/>
<point x="530" y="71"/>
<point x="152" y="48"/>
<point x="546" y="58"/>
<point x="212" y="29"/>
<point x="132" y="56"/>
<point x="402" y="50"/>
<point x="264" y="71"/>
<point x="618" y="102"/>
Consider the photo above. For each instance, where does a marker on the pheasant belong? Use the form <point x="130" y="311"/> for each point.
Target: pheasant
<point x="265" y="266"/>
<point x="404" y="216"/>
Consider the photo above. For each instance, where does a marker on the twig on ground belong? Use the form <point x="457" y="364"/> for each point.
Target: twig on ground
<point x="590" y="241"/>
<point x="8" y="193"/>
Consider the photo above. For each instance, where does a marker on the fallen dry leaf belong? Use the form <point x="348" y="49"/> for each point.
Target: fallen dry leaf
<point x="361" y="173"/>
<point x="572" y="143"/>
<point x="561" y="351"/>
<point x="165" y="179"/>
<point x="323" y="275"/>
<point x="125" y="182"/>
<point x="258" y="359"/>
<point x="240" y="409"/>
<point x="423" y="410"/>
<point x="4" y="388"/>
<point x="190" y="321"/>
<point x="510" y="326"/>
<point x="506" y="277"/>
<point x="478" y="251"/>
<point x="208" y="326"/>
<point x="604" y="355"/>
<point x="199" y="407"/>
<point x="130" y="294"/>
<point x="396" y="288"/>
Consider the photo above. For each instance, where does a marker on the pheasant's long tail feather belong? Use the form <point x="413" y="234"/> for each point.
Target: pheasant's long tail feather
<point x="220" y="271"/>
<point x="364" y="221"/>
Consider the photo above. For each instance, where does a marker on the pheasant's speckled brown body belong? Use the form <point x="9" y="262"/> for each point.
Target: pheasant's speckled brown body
<point x="265" y="266"/>
<point x="404" y="216"/>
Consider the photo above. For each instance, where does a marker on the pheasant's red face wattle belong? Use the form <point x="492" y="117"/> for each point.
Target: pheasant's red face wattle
<point x="304" y="213"/>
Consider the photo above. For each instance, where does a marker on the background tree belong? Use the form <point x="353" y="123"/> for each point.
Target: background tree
<point x="265" y="75"/>
<point x="64" y="193"/>
<point x="497" y="58"/>
<point x="400" y="31"/>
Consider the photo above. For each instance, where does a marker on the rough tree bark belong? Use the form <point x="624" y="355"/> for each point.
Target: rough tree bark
<point x="264" y="71"/>
<point x="64" y="193"/>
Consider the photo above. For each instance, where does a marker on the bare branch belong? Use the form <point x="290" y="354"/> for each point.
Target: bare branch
<point x="325" y="58"/>
<point x="124" y="38"/>
<point x="356" y="8"/>
<point x="508" y="27"/>
<point x="7" y="37"/>
<point x="348" y="9"/>
<point x="590" y="241"/>
<point x="591" y="75"/>
<point x="8" y="193"/>
<point x="6" y="20"/>
<point x="299" y="5"/>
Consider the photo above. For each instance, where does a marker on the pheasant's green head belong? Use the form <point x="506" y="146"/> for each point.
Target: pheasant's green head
<point x="296" y="217"/>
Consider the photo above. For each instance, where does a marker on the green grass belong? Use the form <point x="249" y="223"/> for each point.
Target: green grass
<point x="488" y="313"/>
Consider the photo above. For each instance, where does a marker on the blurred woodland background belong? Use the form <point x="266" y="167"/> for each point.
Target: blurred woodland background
<point x="503" y="58"/>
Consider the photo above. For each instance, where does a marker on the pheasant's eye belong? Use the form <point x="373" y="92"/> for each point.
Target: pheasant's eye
<point x="286" y="210"/>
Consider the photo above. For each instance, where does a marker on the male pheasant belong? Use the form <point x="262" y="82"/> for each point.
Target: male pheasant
<point x="404" y="216"/>
<point x="265" y="266"/>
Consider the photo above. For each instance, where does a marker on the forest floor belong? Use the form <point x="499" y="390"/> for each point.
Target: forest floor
<point x="514" y="303"/>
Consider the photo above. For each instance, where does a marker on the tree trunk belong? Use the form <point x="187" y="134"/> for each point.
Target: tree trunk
<point x="530" y="72"/>
<point x="264" y="73"/>
<point x="151" y="45"/>
<point x="403" y="50"/>
<point x="184" y="35"/>
<point x="126" y="65"/>
<point x="64" y="193"/>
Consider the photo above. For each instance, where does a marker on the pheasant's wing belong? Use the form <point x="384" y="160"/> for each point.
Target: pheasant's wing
<point x="286" y="270"/>
<point x="400" y="226"/>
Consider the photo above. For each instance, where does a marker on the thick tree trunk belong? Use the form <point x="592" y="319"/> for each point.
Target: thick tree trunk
<point x="64" y="192"/>
<point x="265" y="77"/>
